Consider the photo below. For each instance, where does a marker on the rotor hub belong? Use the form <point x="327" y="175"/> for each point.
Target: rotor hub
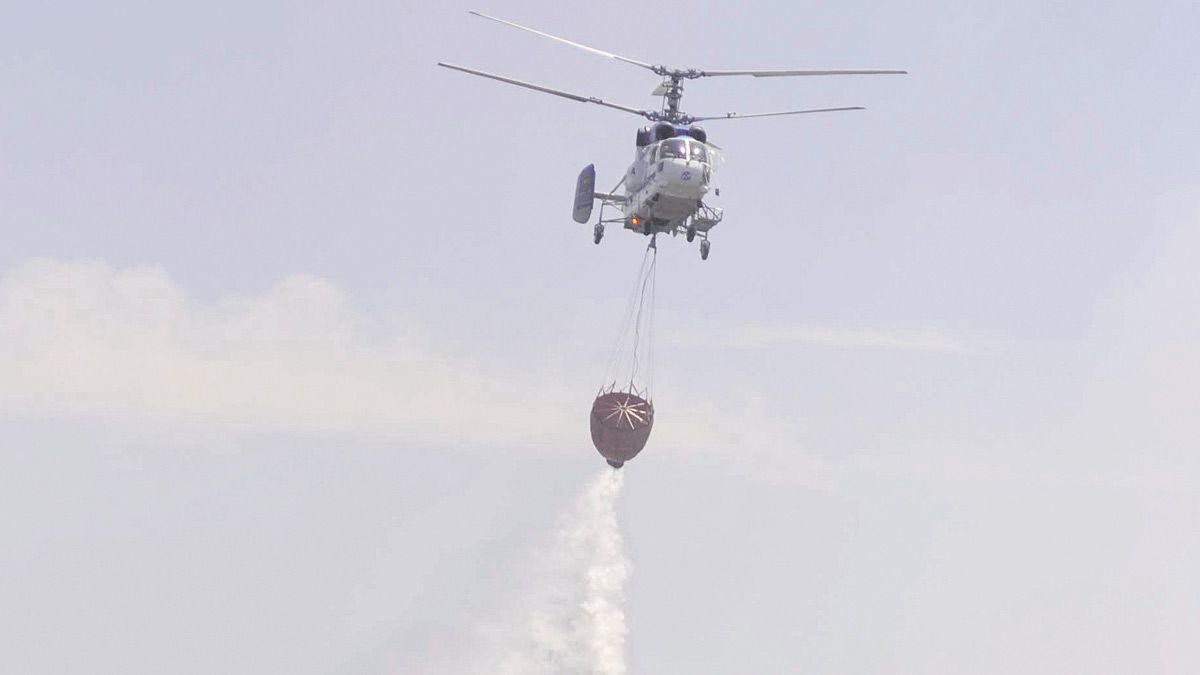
<point x="672" y="92"/>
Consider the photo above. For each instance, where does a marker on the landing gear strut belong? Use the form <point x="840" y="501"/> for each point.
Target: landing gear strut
<point x="704" y="249"/>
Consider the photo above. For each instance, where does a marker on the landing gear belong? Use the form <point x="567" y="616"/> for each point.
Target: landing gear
<point x="691" y="234"/>
<point x="704" y="250"/>
<point x="598" y="233"/>
<point x="647" y="226"/>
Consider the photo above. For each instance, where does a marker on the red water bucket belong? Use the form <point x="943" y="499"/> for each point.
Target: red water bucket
<point x="621" y="423"/>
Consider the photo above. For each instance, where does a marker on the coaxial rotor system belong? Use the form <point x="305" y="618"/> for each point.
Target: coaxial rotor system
<point x="671" y="87"/>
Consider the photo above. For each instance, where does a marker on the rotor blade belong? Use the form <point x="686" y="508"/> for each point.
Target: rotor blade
<point x="548" y="90"/>
<point x="586" y="48"/>
<point x="797" y="73"/>
<point x="736" y="116"/>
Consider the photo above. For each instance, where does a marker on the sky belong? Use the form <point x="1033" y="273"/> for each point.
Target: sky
<point x="297" y="336"/>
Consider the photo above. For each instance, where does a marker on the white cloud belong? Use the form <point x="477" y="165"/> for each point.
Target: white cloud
<point x="85" y="340"/>
<point x="128" y="347"/>
<point x="82" y="339"/>
<point x="914" y="339"/>
<point x="909" y="337"/>
<point x="745" y="437"/>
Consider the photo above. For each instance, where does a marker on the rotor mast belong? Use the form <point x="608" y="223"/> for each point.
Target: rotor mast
<point x="672" y="93"/>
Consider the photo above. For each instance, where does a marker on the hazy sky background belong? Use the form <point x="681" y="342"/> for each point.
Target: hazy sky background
<point x="297" y="337"/>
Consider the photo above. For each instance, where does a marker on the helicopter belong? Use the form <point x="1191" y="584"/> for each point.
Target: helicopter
<point x="663" y="190"/>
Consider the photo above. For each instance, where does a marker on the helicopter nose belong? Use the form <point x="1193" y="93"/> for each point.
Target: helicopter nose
<point x="683" y="177"/>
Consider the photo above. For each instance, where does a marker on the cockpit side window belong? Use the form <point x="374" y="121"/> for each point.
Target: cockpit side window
<point x="699" y="152"/>
<point x="675" y="147"/>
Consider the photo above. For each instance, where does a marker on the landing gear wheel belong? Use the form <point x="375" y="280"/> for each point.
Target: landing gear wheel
<point x="598" y="233"/>
<point x="704" y="250"/>
<point x="691" y="234"/>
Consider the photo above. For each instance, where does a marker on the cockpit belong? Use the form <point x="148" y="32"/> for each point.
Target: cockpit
<point x="683" y="148"/>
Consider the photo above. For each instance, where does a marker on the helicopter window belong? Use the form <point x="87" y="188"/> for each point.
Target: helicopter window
<point x="699" y="152"/>
<point x="675" y="147"/>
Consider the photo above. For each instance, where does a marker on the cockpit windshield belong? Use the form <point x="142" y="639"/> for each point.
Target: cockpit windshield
<point x="675" y="147"/>
<point x="683" y="148"/>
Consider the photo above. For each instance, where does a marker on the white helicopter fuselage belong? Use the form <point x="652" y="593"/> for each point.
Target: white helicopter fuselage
<point x="666" y="184"/>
